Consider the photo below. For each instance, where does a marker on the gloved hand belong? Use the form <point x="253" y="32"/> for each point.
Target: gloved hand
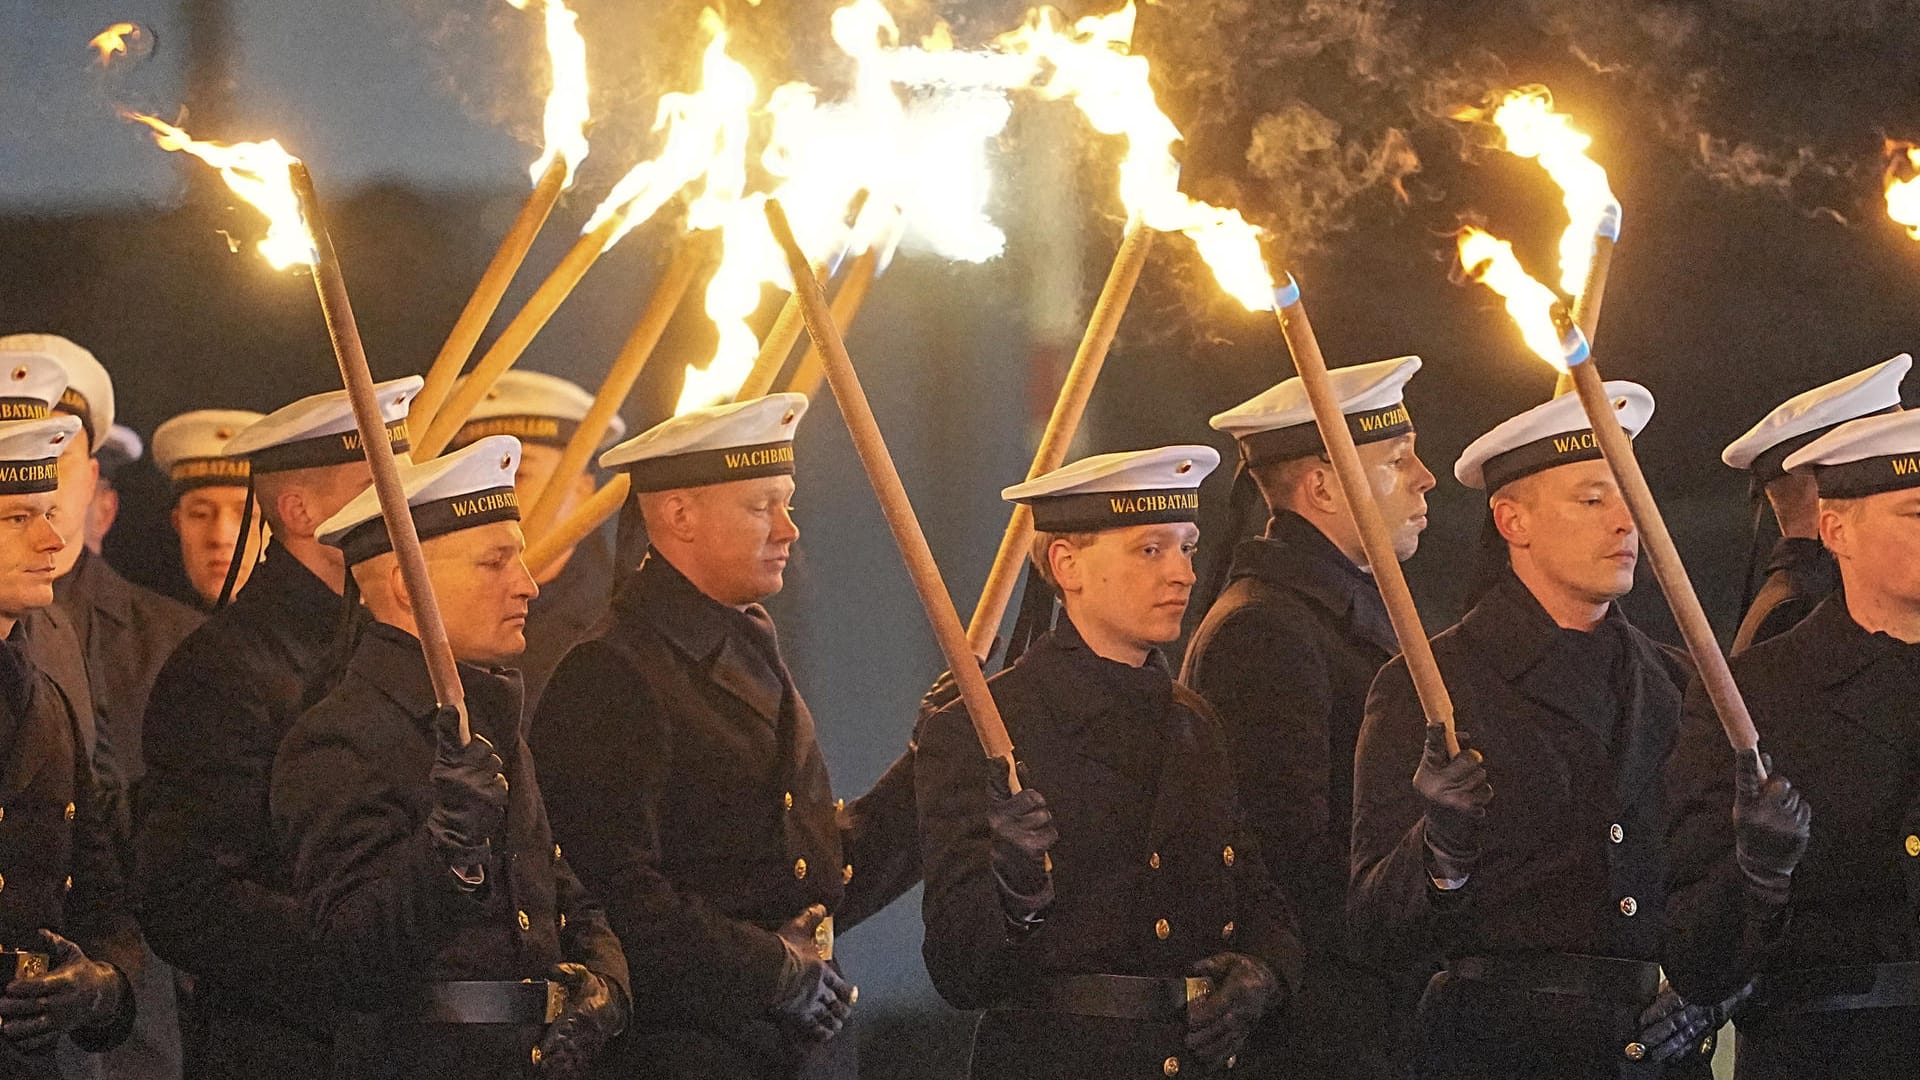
<point x="946" y="690"/>
<point x="1219" y="1023"/>
<point x="1671" y="1029"/>
<point x="594" y="1014"/>
<point x="75" y="993"/>
<point x="1457" y="794"/>
<point x="1021" y="830"/>
<point x="469" y="797"/>
<point x="812" y="1001"/>
<point x="1771" y="824"/>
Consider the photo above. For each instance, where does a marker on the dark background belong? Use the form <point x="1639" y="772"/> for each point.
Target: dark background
<point x="1742" y="137"/>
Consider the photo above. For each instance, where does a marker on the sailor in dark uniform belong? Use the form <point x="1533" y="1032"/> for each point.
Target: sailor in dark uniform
<point x="68" y="943"/>
<point x="1813" y="880"/>
<point x="1286" y="656"/>
<point x="1114" y="918"/>
<point x="215" y="892"/>
<point x="466" y="947"/>
<point x="210" y="492"/>
<point x="1531" y="867"/>
<point x="686" y="785"/>
<point x="543" y="411"/>
<point x="1799" y="571"/>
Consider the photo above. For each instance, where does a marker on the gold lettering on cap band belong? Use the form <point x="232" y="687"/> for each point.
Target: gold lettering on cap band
<point x="484" y="504"/>
<point x="755" y="459"/>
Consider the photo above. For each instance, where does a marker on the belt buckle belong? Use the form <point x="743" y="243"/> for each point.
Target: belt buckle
<point x="823" y="938"/>
<point x="556" y="1001"/>
<point x="1198" y="988"/>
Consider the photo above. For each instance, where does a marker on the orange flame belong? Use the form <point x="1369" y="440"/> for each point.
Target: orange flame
<point x="260" y="173"/>
<point x="567" y="111"/>
<point x="116" y="40"/>
<point x="1533" y="130"/>
<point x="1903" y="194"/>
<point x="1532" y="306"/>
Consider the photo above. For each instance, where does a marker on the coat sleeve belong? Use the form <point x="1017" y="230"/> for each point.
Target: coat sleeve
<point x="1395" y="913"/>
<point x="879" y="835"/>
<point x="605" y="748"/>
<point x="970" y="951"/>
<point x="203" y="842"/>
<point x="1717" y="937"/>
<point x="587" y="939"/>
<point x="1268" y="681"/>
<point x="99" y="909"/>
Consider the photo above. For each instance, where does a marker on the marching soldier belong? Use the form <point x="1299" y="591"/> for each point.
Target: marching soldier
<point x="1123" y="923"/>
<point x="1813" y="881"/>
<point x="210" y="493"/>
<point x="465" y="946"/>
<point x="68" y="944"/>
<point x="216" y="896"/>
<point x="1531" y="866"/>
<point x="685" y="782"/>
<point x="1285" y="656"/>
<point x="543" y="411"/>
<point x="121" y="447"/>
<point x="1800" y="572"/>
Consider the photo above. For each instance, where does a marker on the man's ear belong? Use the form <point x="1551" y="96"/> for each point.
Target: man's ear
<point x="1320" y="490"/>
<point x="680" y="513"/>
<point x="290" y="507"/>
<point x="1511" y="519"/>
<point x="397" y="586"/>
<point x="1064" y="559"/>
<point x="1836" y="530"/>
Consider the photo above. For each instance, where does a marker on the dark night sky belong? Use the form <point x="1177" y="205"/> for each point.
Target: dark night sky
<point x="1731" y="290"/>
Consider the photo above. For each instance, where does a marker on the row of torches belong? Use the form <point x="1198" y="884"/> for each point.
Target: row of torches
<point x="903" y="160"/>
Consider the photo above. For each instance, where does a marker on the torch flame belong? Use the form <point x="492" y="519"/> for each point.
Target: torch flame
<point x="260" y="173"/>
<point x="567" y="112"/>
<point x="115" y="40"/>
<point x="1903" y="195"/>
<point x="1534" y="308"/>
<point x="1533" y="130"/>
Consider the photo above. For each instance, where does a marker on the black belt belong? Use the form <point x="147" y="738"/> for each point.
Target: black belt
<point x="531" y="1001"/>
<point x="1838" y="989"/>
<point x="1116" y="997"/>
<point x="1603" y="978"/>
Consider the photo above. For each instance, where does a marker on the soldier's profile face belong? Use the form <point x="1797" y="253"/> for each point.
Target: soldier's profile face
<point x="483" y="588"/>
<point x="29" y="545"/>
<point x="743" y="536"/>
<point x="1400" y="482"/>
<point x="1130" y="584"/>
<point x="79" y="474"/>
<point x="208" y="521"/>
<point x="1575" y="530"/>
<point x="1877" y="540"/>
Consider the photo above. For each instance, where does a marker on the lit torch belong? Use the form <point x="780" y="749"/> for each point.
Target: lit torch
<point x="278" y="185"/>
<point x="1903" y="191"/>
<point x="565" y="134"/>
<point x="120" y="40"/>
<point x="1551" y="333"/>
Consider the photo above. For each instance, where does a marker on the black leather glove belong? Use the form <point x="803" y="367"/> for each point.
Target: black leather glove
<point x="1457" y="794"/>
<point x="469" y="797"/>
<point x="1671" y="1029"/>
<point x="946" y="690"/>
<point x="1021" y="830"/>
<point x="75" y="993"/>
<point x="1219" y="1023"/>
<point x="594" y="1014"/>
<point x="812" y="1001"/>
<point x="1771" y="824"/>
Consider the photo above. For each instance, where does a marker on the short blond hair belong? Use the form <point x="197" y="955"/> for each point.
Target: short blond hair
<point x="1038" y="553"/>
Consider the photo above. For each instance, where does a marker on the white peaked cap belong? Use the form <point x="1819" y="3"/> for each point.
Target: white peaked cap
<point x="1864" y="457"/>
<point x="1803" y="417"/>
<point x="30" y="453"/>
<point x="88" y="393"/>
<point x="1112" y="491"/>
<point x="467" y="488"/>
<point x="192" y="448"/>
<point x="1548" y="435"/>
<point x="713" y="445"/>
<point x="533" y="407"/>
<point x="319" y="430"/>
<point x="1278" y="423"/>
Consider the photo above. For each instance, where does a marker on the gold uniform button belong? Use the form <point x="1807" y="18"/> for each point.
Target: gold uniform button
<point x="1153" y="860"/>
<point x="1615" y="833"/>
<point x="3" y="813"/>
<point x="1226" y="854"/>
<point x="69" y="883"/>
<point x="1226" y="932"/>
<point x="800" y="869"/>
<point x="1232" y="1060"/>
<point x="1913" y="846"/>
<point x="525" y="923"/>
<point x="1629" y="907"/>
<point x="1706" y="1045"/>
<point x="556" y="853"/>
<point x="536" y="1055"/>
<point x="69" y="811"/>
<point x="1161" y="930"/>
<point x="1171" y="1066"/>
<point x="563" y="920"/>
<point x="787" y="800"/>
<point x="1636" y="1051"/>
<point x="839" y="805"/>
<point x="846" y="874"/>
<point x="3" y="882"/>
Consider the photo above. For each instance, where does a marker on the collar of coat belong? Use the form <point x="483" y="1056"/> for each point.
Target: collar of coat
<point x="391" y="661"/>
<point x="302" y="600"/>
<point x="1296" y="555"/>
<point x="716" y="638"/>
<point x="1515" y="633"/>
<point x="1841" y="648"/>
<point x="1096" y="684"/>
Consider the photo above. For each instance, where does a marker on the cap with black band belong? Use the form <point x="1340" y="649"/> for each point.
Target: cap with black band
<point x="1547" y="436"/>
<point x="192" y="449"/>
<point x="465" y="489"/>
<point x="1868" y="456"/>
<point x="718" y="444"/>
<point x="1116" y="491"/>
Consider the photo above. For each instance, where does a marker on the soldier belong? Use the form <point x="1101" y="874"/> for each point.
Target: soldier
<point x="210" y="493"/>
<point x="1286" y="655"/>
<point x="1813" y="882"/>
<point x="215" y="892"/>
<point x="542" y="411"/>
<point x="1800" y="572"/>
<point x="1531" y="866"/>
<point x="68" y="945"/>
<point x="426" y="864"/>
<point x="121" y="448"/>
<point x="1123" y="924"/>
<point x="685" y="782"/>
